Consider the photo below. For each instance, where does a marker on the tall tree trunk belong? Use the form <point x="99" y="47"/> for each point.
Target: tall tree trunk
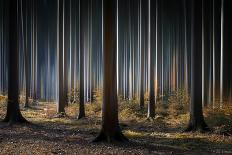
<point x="110" y="125"/>
<point x="35" y="54"/>
<point x="66" y="48"/>
<point x="61" y="102"/>
<point x="196" y="121"/>
<point x="81" y="84"/>
<point x="222" y="55"/>
<point x="141" y="98"/>
<point x="26" y="57"/>
<point x="13" y="114"/>
<point x="153" y="36"/>
<point x="216" y="51"/>
<point x="206" y="42"/>
<point x="227" y="78"/>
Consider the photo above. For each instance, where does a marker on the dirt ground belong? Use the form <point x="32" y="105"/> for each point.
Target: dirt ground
<point x="49" y="135"/>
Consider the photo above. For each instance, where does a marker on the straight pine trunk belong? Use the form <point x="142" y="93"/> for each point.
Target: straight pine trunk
<point x="110" y="125"/>
<point x="196" y="121"/>
<point x="61" y="102"/>
<point x="13" y="114"/>
<point x="81" y="84"/>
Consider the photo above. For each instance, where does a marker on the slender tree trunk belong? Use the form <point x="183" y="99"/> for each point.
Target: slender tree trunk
<point x="186" y="75"/>
<point x="72" y="11"/>
<point x="141" y="92"/>
<point x="81" y="84"/>
<point x="13" y="114"/>
<point x="61" y="102"/>
<point x="222" y="55"/>
<point x="34" y="52"/>
<point x="227" y="78"/>
<point x="26" y="57"/>
<point x="196" y="121"/>
<point x="141" y="98"/>
<point x="66" y="48"/>
<point x="110" y="125"/>
<point x="206" y="42"/>
<point x="151" y="103"/>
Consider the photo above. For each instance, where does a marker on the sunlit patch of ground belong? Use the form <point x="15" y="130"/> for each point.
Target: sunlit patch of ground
<point x="50" y="135"/>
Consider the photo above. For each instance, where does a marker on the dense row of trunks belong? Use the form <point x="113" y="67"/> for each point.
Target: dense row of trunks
<point x="203" y="52"/>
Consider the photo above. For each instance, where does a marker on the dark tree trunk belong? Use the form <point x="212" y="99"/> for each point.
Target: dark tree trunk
<point x="151" y="103"/>
<point x="81" y="84"/>
<point x="227" y="49"/>
<point x="142" y="50"/>
<point x="35" y="42"/>
<point x="66" y="48"/>
<point x="110" y="125"/>
<point x="196" y="121"/>
<point x="26" y="57"/>
<point x="73" y="52"/>
<point x="143" y="46"/>
<point x="206" y="15"/>
<point x="141" y="92"/>
<point x="13" y="114"/>
<point x="61" y="102"/>
<point x="217" y="29"/>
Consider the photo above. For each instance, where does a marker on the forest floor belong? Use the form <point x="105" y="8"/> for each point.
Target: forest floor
<point x="49" y="135"/>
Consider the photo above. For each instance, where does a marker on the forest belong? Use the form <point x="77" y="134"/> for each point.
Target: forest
<point x="115" y="77"/>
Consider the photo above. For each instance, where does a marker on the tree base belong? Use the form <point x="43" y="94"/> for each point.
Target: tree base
<point x="35" y="102"/>
<point x="15" y="120"/>
<point x="150" y="119"/>
<point x="80" y="117"/>
<point x="26" y="106"/>
<point x="197" y="127"/>
<point x="117" y="137"/>
<point x="60" y="115"/>
<point x="13" y="114"/>
<point x="81" y="114"/>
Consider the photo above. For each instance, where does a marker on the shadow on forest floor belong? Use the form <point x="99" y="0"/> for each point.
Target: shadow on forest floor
<point x="49" y="135"/>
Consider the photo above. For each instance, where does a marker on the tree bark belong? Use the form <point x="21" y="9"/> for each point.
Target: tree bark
<point x="151" y="103"/>
<point x="61" y="102"/>
<point x="81" y="83"/>
<point x="206" y="15"/>
<point x="227" y="78"/>
<point x="13" y="114"/>
<point x="110" y="125"/>
<point x="66" y="48"/>
<point x="141" y="98"/>
<point x="26" y="57"/>
<point x="196" y="121"/>
<point x="35" y="51"/>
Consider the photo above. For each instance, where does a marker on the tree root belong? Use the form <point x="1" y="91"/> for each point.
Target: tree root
<point x="60" y="115"/>
<point x="195" y="128"/>
<point x="11" y="120"/>
<point x="117" y="137"/>
<point x="26" y="106"/>
<point x="150" y="119"/>
<point x="80" y="116"/>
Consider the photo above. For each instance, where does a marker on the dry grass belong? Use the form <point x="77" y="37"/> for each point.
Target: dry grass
<point x="159" y="136"/>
